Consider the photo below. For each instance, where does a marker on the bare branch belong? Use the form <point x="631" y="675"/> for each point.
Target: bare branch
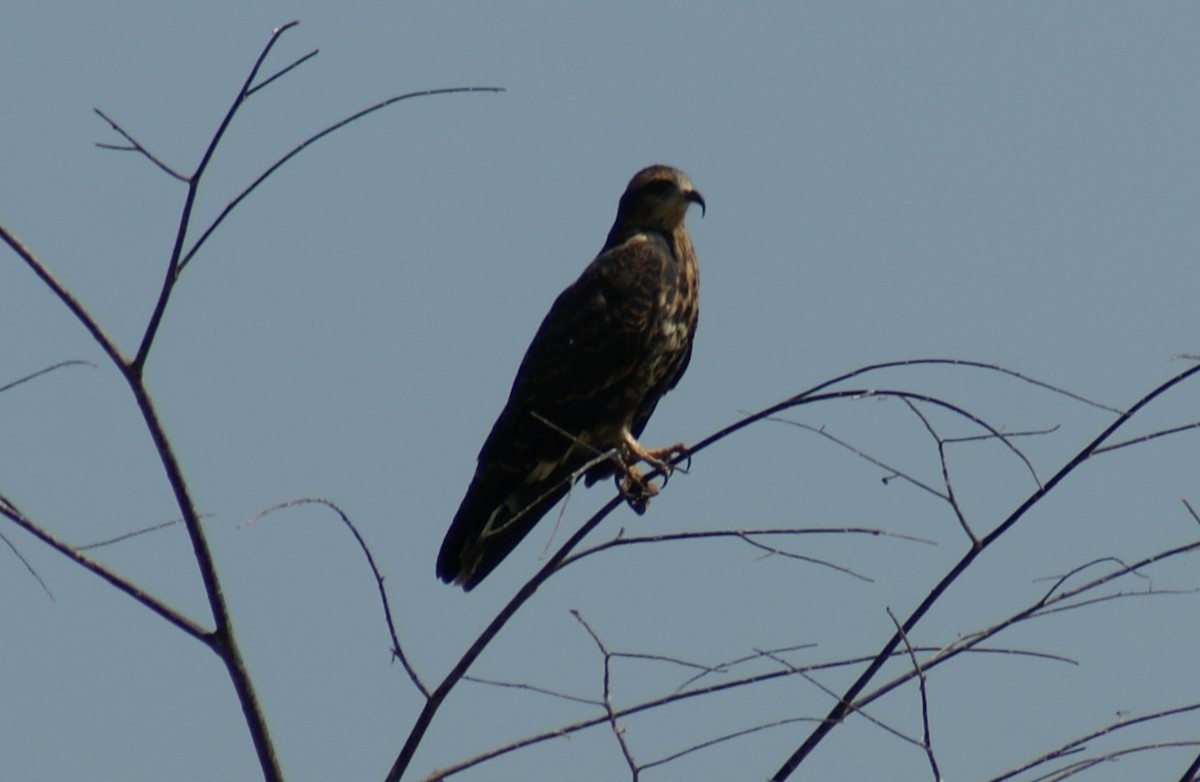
<point x="814" y="395"/>
<point x="747" y="536"/>
<point x="187" y="258"/>
<point x="1011" y="435"/>
<point x="47" y="370"/>
<point x="1078" y="744"/>
<point x="954" y="362"/>
<point x="283" y="71"/>
<point x="397" y="648"/>
<point x="12" y="513"/>
<point x="941" y="448"/>
<point x="21" y="557"/>
<point x="527" y="590"/>
<point x="135" y="146"/>
<point x="174" y="265"/>
<point x="126" y="536"/>
<point x="1191" y="511"/>
<point x="1039" y="607"/>
<point x="534" y="688"/>
<point x="861" y="454"/>
<point x="926" y="740"/>
<point x="617" y="731"/>
<point x="681" y="695"/>
<point x="841" y="708"/>
<point x="1148" y="437"/>
<point x="65" y="296"/>
<point x="728" y="665"/>
<point x="737" y="734"/>
<point x="852" y="708"/>
<point x="1192" y="772"/>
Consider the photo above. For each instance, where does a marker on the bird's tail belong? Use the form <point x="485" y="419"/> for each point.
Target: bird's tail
<point x="489" y="524"/>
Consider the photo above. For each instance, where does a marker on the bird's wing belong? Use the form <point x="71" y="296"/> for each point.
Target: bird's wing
<point x="578" y="374"/>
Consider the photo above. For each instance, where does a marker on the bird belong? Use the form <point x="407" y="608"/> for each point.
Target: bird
<point x="613" y="343"/>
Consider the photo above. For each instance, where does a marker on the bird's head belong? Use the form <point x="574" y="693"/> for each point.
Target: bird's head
<point x="658" y="197"/>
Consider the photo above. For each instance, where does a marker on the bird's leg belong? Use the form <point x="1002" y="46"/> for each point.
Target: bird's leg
<point x="635" y="487"/>
<point x="655" y="457"/>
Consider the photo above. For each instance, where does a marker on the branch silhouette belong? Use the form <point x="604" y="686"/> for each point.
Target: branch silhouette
<point x="839" y="711"/>
<point x="221" y="638"/>
<point x="1065" y="593"/>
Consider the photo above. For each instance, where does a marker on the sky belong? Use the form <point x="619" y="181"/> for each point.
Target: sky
<point x="1008" y="183"/>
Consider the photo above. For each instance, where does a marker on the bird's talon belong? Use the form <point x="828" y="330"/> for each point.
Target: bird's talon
<point x="637" y="490"/>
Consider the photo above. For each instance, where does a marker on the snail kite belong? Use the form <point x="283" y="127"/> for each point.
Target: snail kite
<point x="612" y="345"/>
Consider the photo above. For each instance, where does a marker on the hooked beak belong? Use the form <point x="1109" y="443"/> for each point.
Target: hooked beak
<point x="695" y="197"/>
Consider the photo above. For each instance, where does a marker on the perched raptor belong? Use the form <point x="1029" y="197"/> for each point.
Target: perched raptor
<point x="613" y="344"/>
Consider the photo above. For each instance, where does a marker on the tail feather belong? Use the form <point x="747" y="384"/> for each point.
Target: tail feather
<point x="493" y="518"/>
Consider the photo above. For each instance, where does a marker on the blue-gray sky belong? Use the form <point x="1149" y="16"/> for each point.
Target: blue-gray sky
<point x="1012" y="183"/>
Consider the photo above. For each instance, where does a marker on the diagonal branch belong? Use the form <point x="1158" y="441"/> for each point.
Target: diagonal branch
<point x="895" y="473"/>
<point x="13" y="514"/>
<point x="135" y="146"/>
<point x="65" y="296"/>
<point x="1076" y="745"/>
<point x="283" y="71"/>
<point x="783" y="671"/>
<point x="839" y="711"/>
<point x="438" y="696"/>
<point x="185" y="216"/>
<point x="187" y="258"/>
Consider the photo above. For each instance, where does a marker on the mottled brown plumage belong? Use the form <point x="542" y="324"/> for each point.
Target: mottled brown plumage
<point x="612" y="345"/>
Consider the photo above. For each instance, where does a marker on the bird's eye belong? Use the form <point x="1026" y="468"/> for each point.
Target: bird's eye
<point x="659" y="187"/>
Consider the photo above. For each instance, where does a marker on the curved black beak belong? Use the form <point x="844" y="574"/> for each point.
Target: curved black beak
<point x="695" y="197"/>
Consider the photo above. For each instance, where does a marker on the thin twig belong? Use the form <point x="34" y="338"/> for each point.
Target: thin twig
<point x="282" y="72"/>
<point x="839" y="711"/>
<point x="747" y="536"/>
<point x="533" y="688"/>
<point x="895" y="473"/>
<point x="617" y="731"/>
<point x="1044" y="604"/>
<point x="185" y="217"/>
<point x="21" y="557"/>
<point x="13" y="514"/>
<point x="47" y="370"/>
<point x="135" y="146"/>
<point x="1148" y="437"/>
<point x="1077" y="744"/>
<point x="127" y="535"/>
<point x="852" y="708"/>
<point x="926" y="738"/>
<point x="974" y="438"/>
<point x="679" y="696"/>
<point x="941" y="448"/>
<point x="438" y="695"/>
<point x="397" y="648"/>
<point x="737" y="734"/>
<point x="191" y="253"/>
<point x="728" y="665"/>
<point x="1191" y="511"/>
<point x="816" y="394"/>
